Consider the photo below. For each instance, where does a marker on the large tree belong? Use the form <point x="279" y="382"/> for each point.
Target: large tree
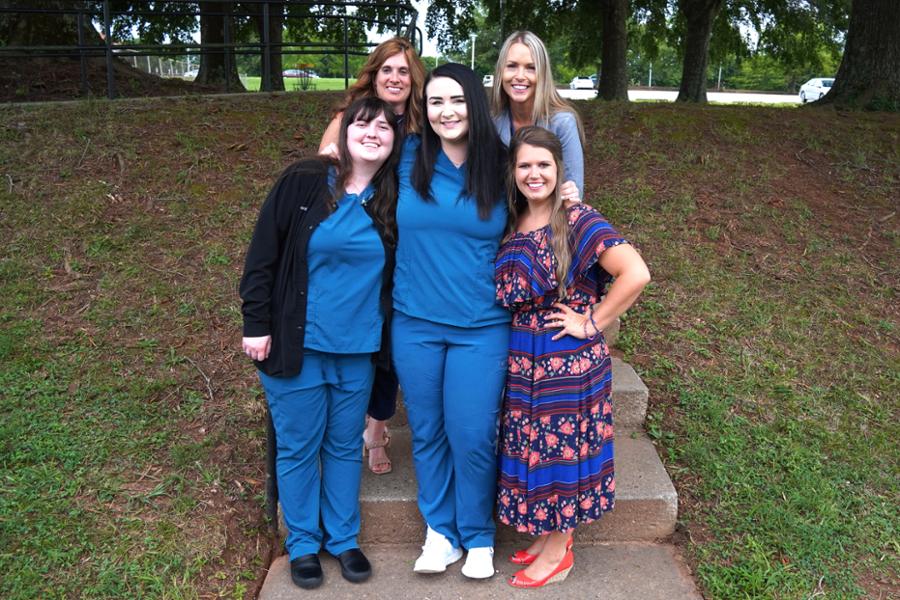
<point x="869" y="75"/>
<point x="275" y="36"/>
<point x="699" y="16"/>
<point x="218" y="66"/>
<point x="613" y="83"/>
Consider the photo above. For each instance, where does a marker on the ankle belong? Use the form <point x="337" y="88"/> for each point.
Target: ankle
<point x="556" y="546"/>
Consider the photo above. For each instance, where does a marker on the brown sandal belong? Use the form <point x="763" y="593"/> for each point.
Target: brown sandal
<point x="382" y="467"/>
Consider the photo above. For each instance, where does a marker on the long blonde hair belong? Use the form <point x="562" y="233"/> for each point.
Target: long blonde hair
<point x="547" y="101"/>
<point x="365" y="80"/>
<point x="559" y="218"/>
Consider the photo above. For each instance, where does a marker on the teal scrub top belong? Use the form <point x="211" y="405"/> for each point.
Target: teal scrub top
<point x="445" y="253"/>
<point x="345" y="258"/>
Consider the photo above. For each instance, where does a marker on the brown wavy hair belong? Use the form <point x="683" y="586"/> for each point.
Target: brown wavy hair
<point x="365" y="80"/>
<point x="559" y="216"/>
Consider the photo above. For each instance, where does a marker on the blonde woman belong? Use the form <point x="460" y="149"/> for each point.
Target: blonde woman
<point x="524" y="94"/>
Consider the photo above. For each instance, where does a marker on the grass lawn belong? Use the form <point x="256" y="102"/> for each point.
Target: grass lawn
<point x="292" y="84"/>
<point x="132" y="435"/>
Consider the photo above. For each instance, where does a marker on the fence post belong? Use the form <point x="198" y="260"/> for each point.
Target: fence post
<point x="107" y="27"/>
<point x="346" y="49"/>
<point x="81" y="58"/>
<point x="267" y="50"/>
<point x="226" y="35"/>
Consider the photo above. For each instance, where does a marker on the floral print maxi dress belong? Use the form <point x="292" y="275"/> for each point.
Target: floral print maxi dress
<point x="556" y="431"/>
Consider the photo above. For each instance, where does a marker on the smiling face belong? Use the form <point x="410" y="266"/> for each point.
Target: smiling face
<point x="370" y="142"/>
<point x="393" y="82"/>
<point x="447" y="110"/>
<point x="536" y="173"/>
<point x="519" y="74"/>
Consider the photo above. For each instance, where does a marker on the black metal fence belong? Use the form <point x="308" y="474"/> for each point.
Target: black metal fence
<point x="396" y="17"/>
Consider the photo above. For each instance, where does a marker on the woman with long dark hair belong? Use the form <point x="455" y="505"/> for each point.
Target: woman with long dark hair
<point x="316" y="305"/>
<point x="449" y="337"/>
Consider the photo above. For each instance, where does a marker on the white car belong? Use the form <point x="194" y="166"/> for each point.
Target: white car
<point x="487" y="81"/>
<point x="191" y="75"/>
<point x="815" y="88"/>
<point x="581" y="82"/>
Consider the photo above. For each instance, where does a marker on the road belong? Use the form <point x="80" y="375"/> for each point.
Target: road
<point x="670" y="95"/>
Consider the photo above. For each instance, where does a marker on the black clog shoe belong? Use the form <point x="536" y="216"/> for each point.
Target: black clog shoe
<point x="355" y="566"/>
<point x="306" y="571"/>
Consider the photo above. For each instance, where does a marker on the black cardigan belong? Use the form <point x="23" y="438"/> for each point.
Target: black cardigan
<point x="276" y="275"/>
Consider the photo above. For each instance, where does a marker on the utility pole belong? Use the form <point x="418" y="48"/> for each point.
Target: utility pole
<point x="473" y="36"/>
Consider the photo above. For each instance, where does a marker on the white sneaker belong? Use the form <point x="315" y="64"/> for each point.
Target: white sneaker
<point x="437" y="553"/>
<point x="479" y="563"/>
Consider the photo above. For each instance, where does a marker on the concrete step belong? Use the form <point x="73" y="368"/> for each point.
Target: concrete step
<point x="616" y="571"/>
<point x="646" y="502"/>
<point x="629" y="393"/>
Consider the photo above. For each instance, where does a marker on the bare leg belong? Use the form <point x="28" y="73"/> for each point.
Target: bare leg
<point x="551" y="555"/>
<point x="537" y="546"/>
<point x="376" y="440"/>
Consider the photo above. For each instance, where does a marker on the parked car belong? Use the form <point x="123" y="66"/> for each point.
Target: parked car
<point x="581" y="82"/>
<point x="815" y="88"/>
<point x="487" y="81"/>
<point x="594" y="80"/>
<point x="299" y="73"/>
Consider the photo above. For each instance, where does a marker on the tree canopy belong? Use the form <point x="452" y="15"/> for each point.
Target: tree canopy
<point x="762" y="42"/>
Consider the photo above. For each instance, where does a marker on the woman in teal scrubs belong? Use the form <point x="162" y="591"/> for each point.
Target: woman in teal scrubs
<point x="449" y="339"/>
<point x="316" y="305"/>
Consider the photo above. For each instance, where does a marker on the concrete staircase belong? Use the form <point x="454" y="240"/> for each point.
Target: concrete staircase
<point x="615" y="558"/>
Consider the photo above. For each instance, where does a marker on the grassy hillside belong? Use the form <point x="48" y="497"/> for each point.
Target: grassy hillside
<point x="132" y="438"/>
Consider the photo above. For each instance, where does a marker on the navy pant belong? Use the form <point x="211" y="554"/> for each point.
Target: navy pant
<point x="452" y="380"/>
<point x="383" y="402"/>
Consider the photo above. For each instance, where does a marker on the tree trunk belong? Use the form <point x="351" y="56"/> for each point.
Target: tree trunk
<point x="869" y="75"/>
<point x="614" y="69"/>
<point x="217" y="65"/>
<point x="276" y="36"/>
<point x="699" y="15"/>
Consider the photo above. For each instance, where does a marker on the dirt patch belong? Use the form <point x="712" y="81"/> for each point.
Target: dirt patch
<point x="43" y="79"/>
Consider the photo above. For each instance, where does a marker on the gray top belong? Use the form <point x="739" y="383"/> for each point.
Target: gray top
<point x="564" y="125"/>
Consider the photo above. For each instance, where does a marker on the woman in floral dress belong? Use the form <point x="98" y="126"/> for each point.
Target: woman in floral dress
<point x="556" y="432"/>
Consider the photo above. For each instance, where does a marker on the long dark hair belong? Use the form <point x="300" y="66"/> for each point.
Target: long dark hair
<point x="384" y="200"/>
<point x="485" y="153"/>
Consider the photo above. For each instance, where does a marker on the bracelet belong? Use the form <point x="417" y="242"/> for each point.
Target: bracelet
<point x="594" y="323"/>
<point x="584" y="328"/>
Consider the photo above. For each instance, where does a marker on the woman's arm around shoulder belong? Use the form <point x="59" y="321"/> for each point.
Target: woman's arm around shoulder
<point x="328" y="145"/>
<point x="565" y="125"/>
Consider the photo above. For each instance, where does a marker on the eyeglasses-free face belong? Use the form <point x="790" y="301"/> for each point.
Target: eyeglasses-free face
<point x="448" y="113"/>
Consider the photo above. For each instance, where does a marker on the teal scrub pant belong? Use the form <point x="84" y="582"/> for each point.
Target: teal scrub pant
<point x="452" y="380"/>
<point x="319" y="418"/>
